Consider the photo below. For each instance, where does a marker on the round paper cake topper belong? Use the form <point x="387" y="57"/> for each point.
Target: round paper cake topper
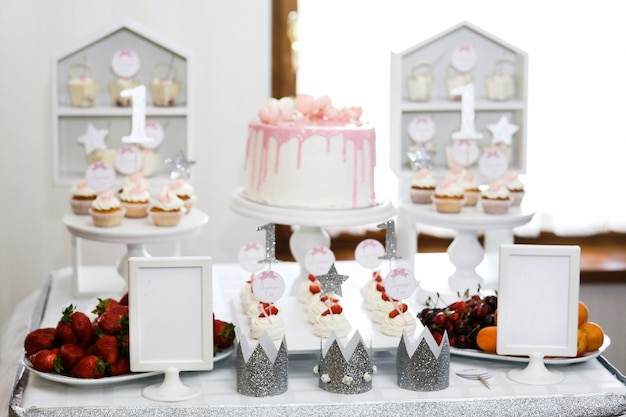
<point x="400" y="284"/>
<point x="128" y="160"/>
<point x="268" y="286"/>
<point x="155" y="132"/>
<point x="422" y="129"/>
<point x="250" y="256"/>
<point x="464" y="152"/>
<point x="125" y="63"/>
<point x="318" y="260"/>
<point x="464" y="58"/>
<point x="100" y="176"/>
<point x="493" y="164"/>
<point x="368" y="253"/>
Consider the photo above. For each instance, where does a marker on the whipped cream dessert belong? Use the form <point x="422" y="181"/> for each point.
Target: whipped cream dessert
<point x="106" y="201"/>
<point x="167" y="200"/>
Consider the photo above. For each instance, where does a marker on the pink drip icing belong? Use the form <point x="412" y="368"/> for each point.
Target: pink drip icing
<point x="284" y="134"/>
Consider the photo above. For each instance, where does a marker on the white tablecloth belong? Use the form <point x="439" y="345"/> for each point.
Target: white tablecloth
<point x="588" y="388"/>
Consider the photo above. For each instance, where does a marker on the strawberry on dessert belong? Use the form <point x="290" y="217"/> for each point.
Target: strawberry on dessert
<point x="332" y="319"/>
<point x="269" y="320"/>
<point x="399" y="320"/>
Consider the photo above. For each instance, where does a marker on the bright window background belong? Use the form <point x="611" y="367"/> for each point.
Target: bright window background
<point x="576" y="130"/>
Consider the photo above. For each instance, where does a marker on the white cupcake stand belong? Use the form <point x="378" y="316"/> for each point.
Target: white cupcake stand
<point x="135" y="234"/>
<point x="465" y="252"/>
<point x="309" y="225"/>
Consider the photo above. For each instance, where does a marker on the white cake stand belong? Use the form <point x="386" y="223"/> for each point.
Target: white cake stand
<point x="465" y="251"/>
<point x="134" y="233"/>
<point x="309" y="231"/>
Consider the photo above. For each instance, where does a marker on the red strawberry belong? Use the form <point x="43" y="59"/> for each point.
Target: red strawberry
<point x="40" y="339"/>
<point x="124" y="300"/>
<point x="74" y="327"/>
<point x="376" y="276"/>
<point x="332" y="300"/>
<point x="112" y="321"/>
<point x="70" y="354"/>
<point x="104" y="305"/>
<point x="120" y="367"/>
<point x="89" y="366"/>
<point x="334" y="309"/>
<point x="312" y="278"/>
<point x="315" y="288"/>
<point x="268" y="310"/>
<point x="393" y="313"/>
<point x="380" y="287"/>
<point x="46" y="360"/>
<point x="223" y="334"/>
<point x="107" y="348"/>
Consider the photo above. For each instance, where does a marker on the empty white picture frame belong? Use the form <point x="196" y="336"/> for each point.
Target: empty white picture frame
<point x="170" y="313"/>
<point x="538" y="306"/>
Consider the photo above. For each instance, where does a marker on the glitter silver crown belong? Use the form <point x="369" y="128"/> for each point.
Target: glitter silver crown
<point x="262" y="371"/>
<point x="423" y="365"/>
<point x="345" y="369"/>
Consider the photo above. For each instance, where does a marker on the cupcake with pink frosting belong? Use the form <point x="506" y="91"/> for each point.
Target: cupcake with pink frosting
<point x="106" y="210"/>
<point x="82" y="197"/>
<point x="136" y="199"/>
<point x="496" y="199"/>
<point x="470" y="187"/>
<point x="515" y="187"/>
<point x="422" y="187"/>
<point x="449" y="196"/>
<point x="167" y="209"/>
<point x="184" y="191"/>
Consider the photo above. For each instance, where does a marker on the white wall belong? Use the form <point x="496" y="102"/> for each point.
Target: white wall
<point x="230" y="46"/>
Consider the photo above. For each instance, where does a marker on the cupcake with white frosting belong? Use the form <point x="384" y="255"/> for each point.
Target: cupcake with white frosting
<point x="136" y="200"/>
<point x="515" y="187"/>
<point x="496" y="199"/>
<point x="106" y="210"/>
<point x="82" y="197"/>
<point x="422" y="186"/>
<point x="167" y="209"/>
<point x="470" y="188"/>
<point x="449" y="196"/>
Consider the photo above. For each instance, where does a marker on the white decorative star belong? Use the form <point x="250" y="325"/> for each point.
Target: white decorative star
<point x="503" y="131"/>
<point x="331" y="282"/>
<point x="93" y="139"/>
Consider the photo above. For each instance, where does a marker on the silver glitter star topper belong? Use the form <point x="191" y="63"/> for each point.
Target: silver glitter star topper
<point x="180" y="166"/>
<point x="331" y="282"/>
<point x="421" y="156"/>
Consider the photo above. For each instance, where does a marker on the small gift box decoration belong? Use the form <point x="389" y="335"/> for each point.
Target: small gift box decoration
<point x="422" y="364"/>
<point x="262" y="370"/>
<point x="501" y="85"/>
<point x="421" y="82"/>
<point x="345" y="369"/>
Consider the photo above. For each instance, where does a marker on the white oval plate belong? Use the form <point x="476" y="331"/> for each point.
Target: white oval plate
<point x="474" y="353"/>
<point x="86" y="382"/>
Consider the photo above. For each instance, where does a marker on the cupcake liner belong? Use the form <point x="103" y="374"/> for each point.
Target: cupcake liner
<point x="135" y="210"/>
<point x="448" y="205"/>
<point x="80" y="207"/>
<point x="108" y="219"/>
<point x="517" y="196"/>
<point x="421" y="195"/>
<point x="166" y="218"/>
<point x="495" y="206"/>
<point x="471" y="198"/>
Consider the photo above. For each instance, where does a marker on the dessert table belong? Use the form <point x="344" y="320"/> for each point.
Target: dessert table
<point x="590" y="388"/>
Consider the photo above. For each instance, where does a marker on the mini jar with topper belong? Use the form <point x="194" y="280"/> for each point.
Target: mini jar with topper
<point x="501" y="85"/>
<point x="462" y="60"/>
<point x="164" y="85"/>
<point x="421" y="82"/>
<point x="125" y="64"/>
<point x="82" y="88"/>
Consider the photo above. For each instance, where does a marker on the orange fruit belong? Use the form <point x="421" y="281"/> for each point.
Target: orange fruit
<point x="486" y="339"/>
<point x="583" y="313"/>
<point x="594" y="333"/>
<point x="581" y="346"/>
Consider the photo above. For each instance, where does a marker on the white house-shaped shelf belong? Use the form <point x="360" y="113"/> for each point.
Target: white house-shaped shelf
<point x="159" y="58"/>
<point x="493" y="55"/>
